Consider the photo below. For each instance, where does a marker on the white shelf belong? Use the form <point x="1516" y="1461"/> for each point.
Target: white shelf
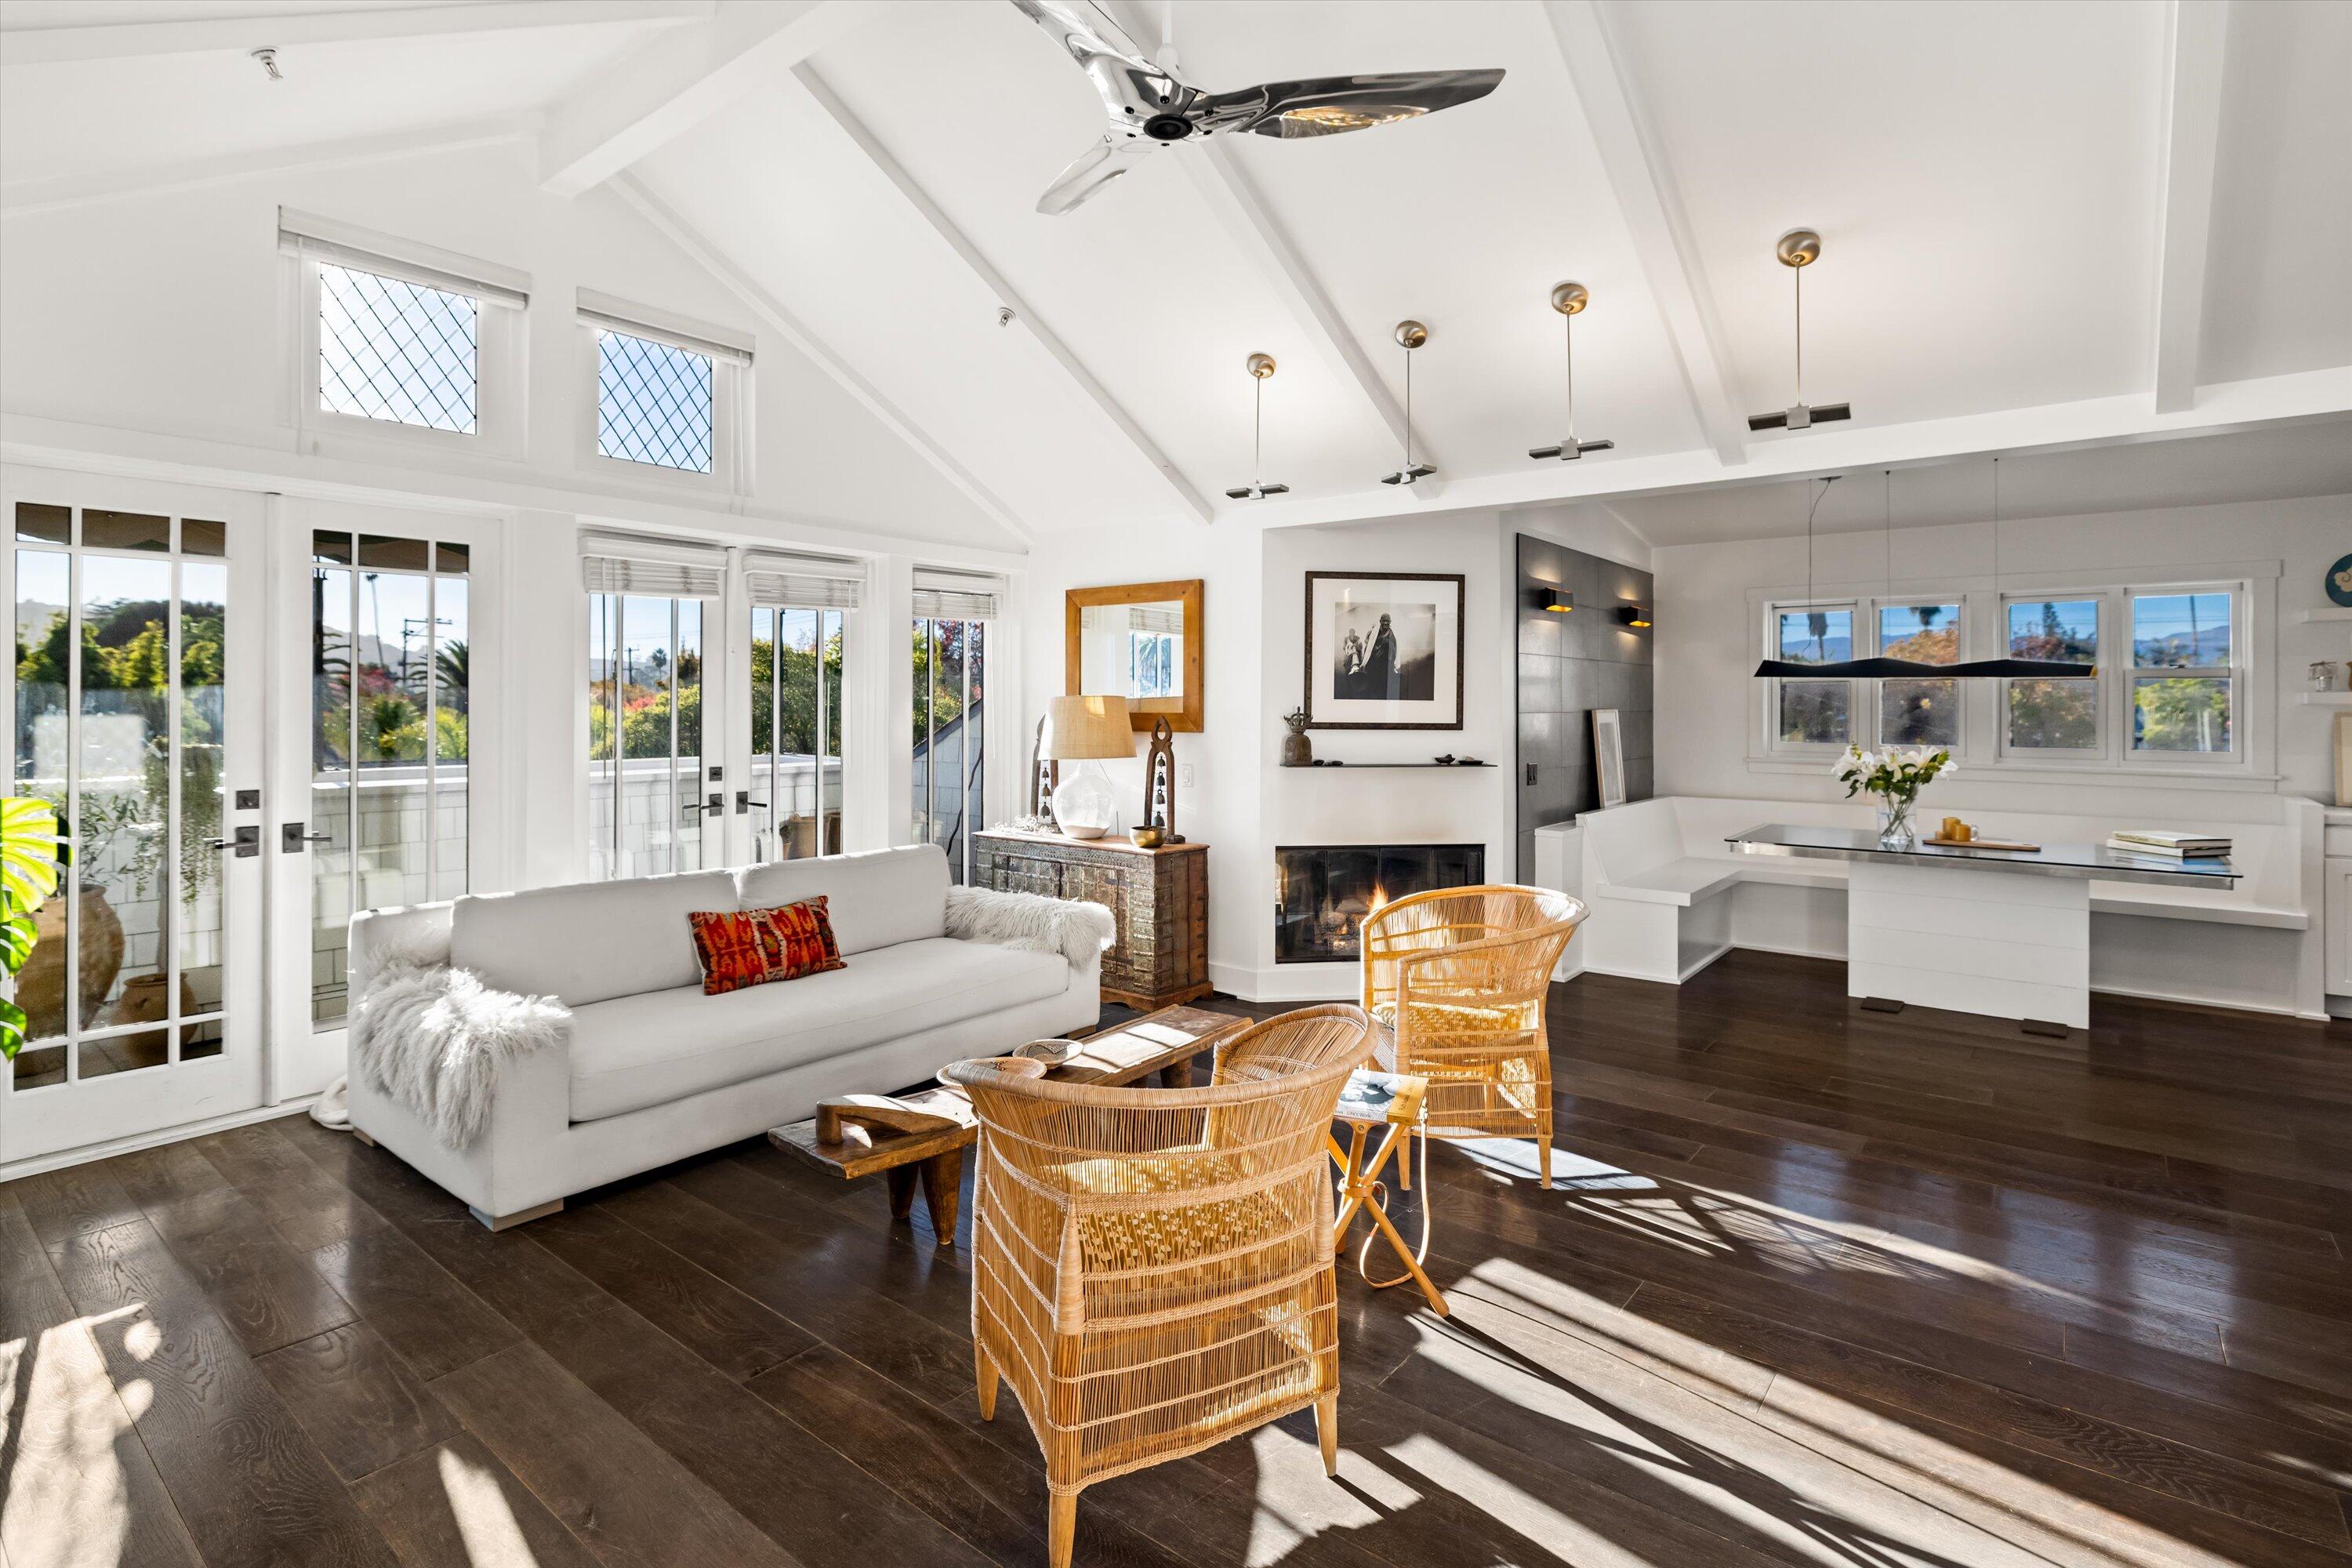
<point x="2328" y="699"/>
<point x="2329" y="612"/>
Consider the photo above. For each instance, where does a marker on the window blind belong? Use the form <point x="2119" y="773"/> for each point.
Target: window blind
<point x="943" y="593"/>
<point x="805" y="582"/>
<point x="347" y="244"/>
<point x="712" y="342"/>
<point x="619" y="563"/>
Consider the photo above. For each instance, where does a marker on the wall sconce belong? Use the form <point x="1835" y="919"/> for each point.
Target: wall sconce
<point x="1556" y="599"/>
<point x="1636" y="615"/>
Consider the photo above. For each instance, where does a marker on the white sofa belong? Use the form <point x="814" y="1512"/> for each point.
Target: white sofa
<point x="653" y="1070"/>
<point x="1669" y="896"/>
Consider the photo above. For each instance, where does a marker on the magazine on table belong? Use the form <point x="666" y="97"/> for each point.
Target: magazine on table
<point x="1381" y="1097"/>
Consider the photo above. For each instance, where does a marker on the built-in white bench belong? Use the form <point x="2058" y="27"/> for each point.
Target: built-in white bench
<point x="1668" y="895"/>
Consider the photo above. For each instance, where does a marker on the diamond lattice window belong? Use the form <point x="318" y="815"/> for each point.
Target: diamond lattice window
<point x="397" y="351"/>
<point x="653" y="403"/>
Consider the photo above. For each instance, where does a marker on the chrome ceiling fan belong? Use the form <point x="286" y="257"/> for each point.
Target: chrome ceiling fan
<point x="1151" y="107"/>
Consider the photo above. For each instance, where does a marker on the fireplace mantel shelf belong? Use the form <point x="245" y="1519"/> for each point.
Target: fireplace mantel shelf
<point x="1350" y="767"/>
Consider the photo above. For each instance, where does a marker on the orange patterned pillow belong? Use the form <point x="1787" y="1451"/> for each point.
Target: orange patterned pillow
<point x="755" y="946"/>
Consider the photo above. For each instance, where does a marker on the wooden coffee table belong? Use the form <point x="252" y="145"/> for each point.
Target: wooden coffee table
<point x="1161" y="1045"/>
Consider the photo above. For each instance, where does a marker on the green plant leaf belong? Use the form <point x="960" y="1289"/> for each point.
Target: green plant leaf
<point x="30" y="848"/>
<point x="17" y="936"/>
<point x="12" y="1030"/>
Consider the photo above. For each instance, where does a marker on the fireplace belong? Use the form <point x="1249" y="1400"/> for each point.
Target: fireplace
<point x="1326" y="889"/>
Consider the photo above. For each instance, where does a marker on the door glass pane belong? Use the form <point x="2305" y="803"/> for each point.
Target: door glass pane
<point x="122" y="848"/>
<point x="125" y="530"/>
<point x="687" y="769"/>
<point x="334" y="801"/>
<point x="198" y="537"/>
<point x="647" y="805"/>
<point x="970" y="817"/>
<point x="43" y="663"/>
<point x="199" y="922"/>
<point x="799" y="807"/>
<point x="2189" y="713"/>
<point x="604" y="734"/>
<point x="40" y="522"/>
<point x="834" y="759"/>
<point x="452" y="700"/>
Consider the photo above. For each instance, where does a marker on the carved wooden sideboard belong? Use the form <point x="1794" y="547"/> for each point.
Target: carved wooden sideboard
<point x="1157" y="899"/>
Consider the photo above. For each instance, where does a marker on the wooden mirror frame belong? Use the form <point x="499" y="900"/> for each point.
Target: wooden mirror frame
<point x="1142" y="711"/>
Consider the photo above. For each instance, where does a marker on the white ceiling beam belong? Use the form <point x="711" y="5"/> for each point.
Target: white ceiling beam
<point x="2315" y="395"/>
<point x="795" y="332"/>
<point x="2196" y="37"/>
<point x="1633" y="157"/>
<point x="292" y="29"/>
<point x="807" y="80"/>
<point x="1250" y="223"/>
<point x="687" y="76"/>
<point x="52" y="192"/>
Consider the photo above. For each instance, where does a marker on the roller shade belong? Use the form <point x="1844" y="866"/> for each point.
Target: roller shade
<point x="805" y="582"/>
<point x="315" y="238"/>
<point x="619" y="563"/>
<point x="949" y="596"/>
<point x="712" y="342"/>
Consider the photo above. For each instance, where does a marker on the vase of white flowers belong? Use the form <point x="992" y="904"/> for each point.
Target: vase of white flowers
<point x="1894" y="778"/>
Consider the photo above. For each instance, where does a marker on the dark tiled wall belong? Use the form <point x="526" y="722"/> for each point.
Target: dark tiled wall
<point x="1568" y="665"/>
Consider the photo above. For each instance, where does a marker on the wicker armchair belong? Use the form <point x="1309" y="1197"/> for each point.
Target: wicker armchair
<point x="1152" y="1269"/>
<point x="1456" y="979"/>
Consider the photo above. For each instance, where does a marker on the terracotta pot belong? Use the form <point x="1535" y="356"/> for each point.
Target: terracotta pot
<point x="41" y="985"/>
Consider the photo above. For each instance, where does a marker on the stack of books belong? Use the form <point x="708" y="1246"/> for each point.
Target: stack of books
<point x="2176" y="845"/>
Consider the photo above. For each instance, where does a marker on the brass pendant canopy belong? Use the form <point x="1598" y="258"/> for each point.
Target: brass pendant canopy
<point x="1411" y="334"/>
<point x="1569" y="299"/>
<point x="1260" y="365"/>
<point x="1798" y="248"/>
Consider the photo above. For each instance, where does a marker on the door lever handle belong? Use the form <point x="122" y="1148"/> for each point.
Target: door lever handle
<point x="246" y="841"/>
<point x="290" y="838"/>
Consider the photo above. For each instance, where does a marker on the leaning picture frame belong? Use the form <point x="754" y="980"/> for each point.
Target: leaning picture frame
<point x="1383" y="650"/>
<point x="1609" y="756"/>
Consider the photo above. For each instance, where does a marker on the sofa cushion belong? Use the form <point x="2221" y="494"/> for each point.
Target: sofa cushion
<point x="637" y="1051"/>
<point x="591" y="941"/>
<point x="877" y="898"/>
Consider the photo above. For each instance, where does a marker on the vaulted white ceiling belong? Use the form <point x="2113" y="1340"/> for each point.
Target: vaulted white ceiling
<point x="2044" y="223"/>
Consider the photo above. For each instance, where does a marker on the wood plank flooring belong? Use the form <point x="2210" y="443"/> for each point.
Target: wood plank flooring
<point x="1813" y="1287"/>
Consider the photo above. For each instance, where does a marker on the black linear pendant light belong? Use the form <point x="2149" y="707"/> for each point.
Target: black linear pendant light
<point x="2011" y="669"/>
<point x="1880" y="668"/>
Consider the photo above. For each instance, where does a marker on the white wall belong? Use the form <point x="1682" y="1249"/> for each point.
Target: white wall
<point x="1708" y="644"/>
<point x="167" y="314"/>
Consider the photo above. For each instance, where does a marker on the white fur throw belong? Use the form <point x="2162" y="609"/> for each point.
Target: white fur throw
<point x="1076" y="930"/>
<point x="432" y="1038"/>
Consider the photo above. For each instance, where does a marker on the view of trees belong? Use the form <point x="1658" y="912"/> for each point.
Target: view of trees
<point x="644" y="696"/>
<point x="797" y="734"/>
<point x="391" y="702"/>
<point x="946" y="683"/>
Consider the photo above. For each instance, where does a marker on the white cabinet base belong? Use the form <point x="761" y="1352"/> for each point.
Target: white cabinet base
<point x="1998" y="943"/>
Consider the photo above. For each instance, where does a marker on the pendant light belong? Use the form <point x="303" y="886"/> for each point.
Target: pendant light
<point x="1797" y="249"/>
<point x="1409" y="335"/>
<point x="1878" y="668"/>
<point x="1569" y="300"/>
<point x="1260" y="367"/>
<point x="2011" y="669"/>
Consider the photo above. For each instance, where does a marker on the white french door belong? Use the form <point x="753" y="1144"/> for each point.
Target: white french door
<point x="375" y="707"/>
<point x="135" y="705"/>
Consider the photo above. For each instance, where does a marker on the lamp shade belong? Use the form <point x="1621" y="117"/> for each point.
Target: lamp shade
<point x="1081" y="728"/>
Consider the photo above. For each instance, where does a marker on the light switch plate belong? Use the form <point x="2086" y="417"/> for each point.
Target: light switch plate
<point x="1185" y="775"/>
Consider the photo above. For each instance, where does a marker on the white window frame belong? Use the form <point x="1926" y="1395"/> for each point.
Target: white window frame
<point x="1958" y="602"/>
<point x="2251" y="763"/>
<point x="2102" y="750"/>
<point x="502" y="297"/>
<point x="2236" y="672"/>
<point x="1773" y="610"/>
<point x="730" y="351"/>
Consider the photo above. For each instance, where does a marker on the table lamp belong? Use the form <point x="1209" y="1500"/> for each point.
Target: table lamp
<point x="1086" y="730"/>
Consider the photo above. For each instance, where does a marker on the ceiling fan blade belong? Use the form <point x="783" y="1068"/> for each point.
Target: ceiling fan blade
<point x="1093" y="169"/>
<point x="1331" y="106"/>
<point x="1125" y="79"/>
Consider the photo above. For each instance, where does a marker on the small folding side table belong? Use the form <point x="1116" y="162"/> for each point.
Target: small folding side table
<point x="1398" y="1102"/>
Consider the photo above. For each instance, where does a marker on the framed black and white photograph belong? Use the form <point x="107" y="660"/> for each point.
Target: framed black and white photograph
<point x="1383" y="650"/>
<point x="1609" y="756"/>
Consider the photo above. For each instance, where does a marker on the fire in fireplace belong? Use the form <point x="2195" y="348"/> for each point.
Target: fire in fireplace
<point x="1329" y="890"/>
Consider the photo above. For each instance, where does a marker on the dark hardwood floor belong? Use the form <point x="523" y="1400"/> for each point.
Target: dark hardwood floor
<point x="1814" y="1287"/>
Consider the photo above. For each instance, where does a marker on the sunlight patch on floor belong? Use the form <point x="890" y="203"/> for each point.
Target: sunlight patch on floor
<point x="1295" y="1500"/>
<point x="64" y="1502"/>
<point x="485" y="1521"/>
<point x="1561" y="1538"/>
